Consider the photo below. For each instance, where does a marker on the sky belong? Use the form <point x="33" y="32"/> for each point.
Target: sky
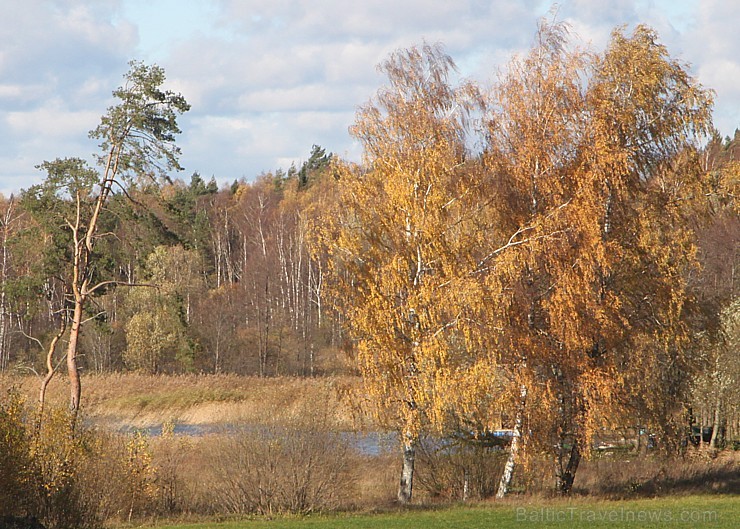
<point x="267" y="79"/>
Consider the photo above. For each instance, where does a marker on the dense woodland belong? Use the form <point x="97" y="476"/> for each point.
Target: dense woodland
<point x="557" y="254"/>
<point x="229" y="282"/>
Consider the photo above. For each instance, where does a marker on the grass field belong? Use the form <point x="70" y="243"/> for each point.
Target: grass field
<point x="691" y="511"/>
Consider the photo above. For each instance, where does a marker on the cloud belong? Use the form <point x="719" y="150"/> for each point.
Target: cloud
<point x="279" y="76"/>
<point x="58" y="65"/>
<point x="269" y="78"/>
<point x="52" y="120"/>
<point x="711" y="45"/>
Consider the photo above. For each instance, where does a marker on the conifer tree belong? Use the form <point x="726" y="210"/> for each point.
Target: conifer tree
<point x="137" y="143"/>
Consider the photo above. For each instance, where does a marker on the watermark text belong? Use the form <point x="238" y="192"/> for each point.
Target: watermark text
<point x="620" y="515"/>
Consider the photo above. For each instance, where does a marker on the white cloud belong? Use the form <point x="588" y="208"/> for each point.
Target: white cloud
<point x="20" y="93"/>
<point x="269" y="78"/>
<point x="53" y="120"/>
<point x="316" y="97"/>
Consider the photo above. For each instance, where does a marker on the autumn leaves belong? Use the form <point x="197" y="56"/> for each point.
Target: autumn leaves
<point x="529" y="241"/>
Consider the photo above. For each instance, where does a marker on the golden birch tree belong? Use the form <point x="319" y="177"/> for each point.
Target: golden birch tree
<point x="648" y="118"/>
<point x="534" y="131"/>
<point x="597" y="155"/>
<point x="401" y="233"/>
<point x="547" y="274"/>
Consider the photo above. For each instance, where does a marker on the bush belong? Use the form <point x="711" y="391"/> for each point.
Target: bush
<point x="174" y="459"/>
<point x="57" y="454"/>
<point x="67" y="475"/>
<point x="456" y="470"/>
<point x="15" y="479"/>
<point x="281" y="469"/>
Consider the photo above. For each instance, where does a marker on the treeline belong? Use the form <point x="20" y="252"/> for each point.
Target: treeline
<point x="218" y="280"/>
<point x="190" y="277"/>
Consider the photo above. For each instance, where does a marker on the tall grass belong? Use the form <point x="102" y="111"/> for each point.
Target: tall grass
<point x="282" y="454"/>
<point x="139" y="400"/>
<point x="631" y="475"/>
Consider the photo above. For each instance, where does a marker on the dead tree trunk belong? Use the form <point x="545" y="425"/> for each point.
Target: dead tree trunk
<point x="50" y="371"/>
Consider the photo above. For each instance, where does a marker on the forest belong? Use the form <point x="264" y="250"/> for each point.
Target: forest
<point x="552" y="256"/>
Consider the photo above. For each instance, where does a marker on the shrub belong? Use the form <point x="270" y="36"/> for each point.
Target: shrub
<point x="171" y="455"/>
<point x="456" y="470"/>
<point x="68" y="475"/>
<point x="282" y="469"/>
<point x="15" y="479"/>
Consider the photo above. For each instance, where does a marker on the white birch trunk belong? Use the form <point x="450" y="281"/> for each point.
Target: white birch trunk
<point x="505" y="482"/>
<point x="4" y="353"/>
<point x="715" y="424"/>
<point x="405" y="487"/>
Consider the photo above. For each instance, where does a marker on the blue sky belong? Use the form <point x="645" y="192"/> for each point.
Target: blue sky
<point x="267" y="79"/>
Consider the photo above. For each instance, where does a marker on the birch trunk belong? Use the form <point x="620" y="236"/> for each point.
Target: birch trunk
<point x="568" y="475"/>
<point x="715" y="424"/>
<point x="4" y="352"/>
<point x="405" y="487"/>
<point x="505" y="482"/>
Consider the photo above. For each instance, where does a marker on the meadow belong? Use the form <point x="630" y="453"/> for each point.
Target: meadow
<point x="120" y="400"/>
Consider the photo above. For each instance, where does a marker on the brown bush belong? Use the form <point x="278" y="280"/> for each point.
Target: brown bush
<point x="455" y="471"/>
<point x="281" y="469"/>
<point x="15" y="479"/>
<point x="175" y="460"/>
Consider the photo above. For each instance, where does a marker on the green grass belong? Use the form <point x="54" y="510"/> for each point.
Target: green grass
<point x="692" y="511"/>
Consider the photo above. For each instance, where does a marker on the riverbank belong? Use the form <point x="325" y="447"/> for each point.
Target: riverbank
<point x="146" y="401"/>
<point x="253" y="446"/>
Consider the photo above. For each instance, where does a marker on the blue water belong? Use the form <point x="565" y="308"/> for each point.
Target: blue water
<point x="366" y="443"/>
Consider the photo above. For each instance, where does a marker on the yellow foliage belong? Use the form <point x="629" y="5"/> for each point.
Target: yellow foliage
<point x="556" y="260"/>
<point x="142" y="475"/>
<point x="402" y="230"/>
